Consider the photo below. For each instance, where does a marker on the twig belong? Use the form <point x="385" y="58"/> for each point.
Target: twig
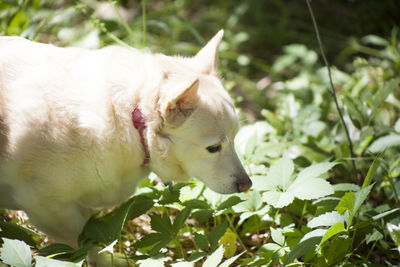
<point x="333" y="91"/>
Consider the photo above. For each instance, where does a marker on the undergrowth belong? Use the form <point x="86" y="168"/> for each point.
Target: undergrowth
<point x="308" y="206"/>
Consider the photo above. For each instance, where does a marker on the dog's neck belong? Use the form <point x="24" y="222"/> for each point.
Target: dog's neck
<point x="140" y="124"/>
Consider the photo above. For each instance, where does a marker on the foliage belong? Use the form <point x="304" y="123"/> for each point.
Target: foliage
<point x="307" y="205"/>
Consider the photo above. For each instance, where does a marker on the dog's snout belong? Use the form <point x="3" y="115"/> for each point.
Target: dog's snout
<point x="244" y="183"/>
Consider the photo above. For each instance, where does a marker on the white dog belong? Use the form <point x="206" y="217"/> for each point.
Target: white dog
<point x="80" y="128"/>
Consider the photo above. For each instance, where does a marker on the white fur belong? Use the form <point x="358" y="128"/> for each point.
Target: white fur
<point x="67" y="143"/>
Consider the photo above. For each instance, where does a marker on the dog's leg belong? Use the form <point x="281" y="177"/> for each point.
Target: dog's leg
<point x="62" y="222"/>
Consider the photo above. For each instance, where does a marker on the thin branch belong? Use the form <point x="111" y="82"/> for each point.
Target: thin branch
<point x="333" y="90"/>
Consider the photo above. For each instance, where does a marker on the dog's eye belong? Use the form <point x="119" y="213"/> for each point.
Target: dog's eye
<point x="214" y="148"/>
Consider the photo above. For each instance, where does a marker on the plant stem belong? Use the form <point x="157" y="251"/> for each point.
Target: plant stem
<point x="180" y="248"/>
<point x="333" y="91"/>
<point x="238" y="237"/>
<point x="302" y="214"/>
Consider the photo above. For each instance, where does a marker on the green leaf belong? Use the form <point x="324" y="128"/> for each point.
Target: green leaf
<point x="382" y="143"/>
<point x="333" y="230"/>
<point x="196" y="204"/>
<point x="394" y="231"/>
<point x="280" y="173"/>
<point x="361" y="196"/>
<point x="310" y="188"/>
<point x="277" y="236"/>
<point x="46" y="262"/>
<point x="326" y="219"/>
<point x="14" y="231"/>
<point x="161" y="224"/>
<point x="278" y="199"/>
<point x="201" y="241"/>
<point x="203" y="215"/>
<point x="197" y="255"/>
<point x="371" y="172"/>
<point x="216" y="234"/>
<point x="180" y="219"/>
<point x="214" y="259"/>
<point x="231" y="201"/>
<point x="140" y="205"/>
<point x="308" y="242"/>
<point x="150" y="240"/>
<point x="108" y="228"/>
<point x="333" y="251"/>
<point x="253" y="203"/>
<point x="346" y="203"/>
<point x="375" y="40"/>
<point x="375" y="235"/>
<point x="56" y="249"/>
<point x="346" y="187"/>
<point x="231" y="260"/>
<point x="315" y="170"/>
<point x="397" y="126"/>
<point x="16" y="253"/>
<point x="384" y="91"/>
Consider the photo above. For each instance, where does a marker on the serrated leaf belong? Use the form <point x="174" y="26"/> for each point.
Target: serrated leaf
<point x="375" y="235"/>
<point x="361" y="196"/>
<point x="333" y="230"/>
<point x="315" y="170"/>
<point x="277" y="236"/>
<point x="253" y="203"/>
<point x="277" y="199"/>
<point x="196" y="204"/>
<point x="201" y="241"/>
<point x="150" y="240"/>
<point x="46" y="262"/>
<point x="346" y="203"/>
<point x="203" y="215"/>
<point x="216" y="233"/>
<point x="197" y="255"/>
<point x="385" y="142"/>
<point x="215" y="258"/>
<point x="371" y="172"/>
<point x="326" y="219"/>
<point x="308" y="242"/>
<point x="280" y="173"/>
<point x="161" y="224"/>
<point x="310" y="188"/>
<point x="180" y="219"/>
<point x="108" y="228"/>
<point x="16" y="253"/>
<point x="229" y="261"/>
<point x="231" y="201"/>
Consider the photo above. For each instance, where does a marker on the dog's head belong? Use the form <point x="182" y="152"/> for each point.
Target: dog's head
<point x="199" y="124"/>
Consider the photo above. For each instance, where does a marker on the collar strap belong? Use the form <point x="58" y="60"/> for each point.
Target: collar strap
<point x="140" y="124"/>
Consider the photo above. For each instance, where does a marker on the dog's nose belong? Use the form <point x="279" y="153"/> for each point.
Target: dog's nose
<point x="244" y="184"/>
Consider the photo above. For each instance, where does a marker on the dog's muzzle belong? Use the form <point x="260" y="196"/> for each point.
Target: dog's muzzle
<point x="243" y="182"/>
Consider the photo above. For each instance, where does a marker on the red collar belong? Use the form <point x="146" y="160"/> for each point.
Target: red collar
<point x="140" y="124"/>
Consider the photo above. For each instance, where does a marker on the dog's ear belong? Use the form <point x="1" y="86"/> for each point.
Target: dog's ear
<point x="206" y="58"/>
<point x="180" y="102"/>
